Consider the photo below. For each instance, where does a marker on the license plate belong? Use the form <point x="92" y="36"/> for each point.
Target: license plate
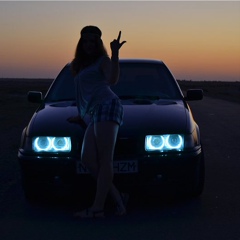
<point x="120" y="167"/>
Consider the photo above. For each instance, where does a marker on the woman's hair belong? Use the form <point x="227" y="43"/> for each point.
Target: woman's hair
<point x="81" y="59"/>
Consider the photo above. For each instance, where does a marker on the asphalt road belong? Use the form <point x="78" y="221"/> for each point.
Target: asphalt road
<point x="214" y="215"/>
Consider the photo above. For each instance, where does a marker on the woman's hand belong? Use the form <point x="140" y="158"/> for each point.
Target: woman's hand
<point x="110" y="68"/>
<point x="116" y="45"/>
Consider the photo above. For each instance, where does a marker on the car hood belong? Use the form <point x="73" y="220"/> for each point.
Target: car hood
<point x="159" y="117"/>
<point x="52" y="120"/>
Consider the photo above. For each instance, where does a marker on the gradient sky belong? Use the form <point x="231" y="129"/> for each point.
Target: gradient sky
<point x="197" y="40"/>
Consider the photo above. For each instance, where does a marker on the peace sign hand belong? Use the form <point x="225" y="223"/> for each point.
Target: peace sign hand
<point x="116" y="45"/>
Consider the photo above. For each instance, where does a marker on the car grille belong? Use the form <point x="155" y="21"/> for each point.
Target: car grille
<point x="128" y="146"/>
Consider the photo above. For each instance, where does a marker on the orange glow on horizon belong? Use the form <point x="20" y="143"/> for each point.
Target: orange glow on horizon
<point x="197" y="40"/>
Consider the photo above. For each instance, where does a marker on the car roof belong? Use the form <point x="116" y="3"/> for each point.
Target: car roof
<point x="139" y="60"/>
<point x="135" y="60"/>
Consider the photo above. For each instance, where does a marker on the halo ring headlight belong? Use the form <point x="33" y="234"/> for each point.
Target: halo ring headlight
<point x="59" y="144"/>
<point x="51" y="144"/>
<point x="42" y="143"/>
<point x="164" y="143"/>
<point x="174" y="141"/>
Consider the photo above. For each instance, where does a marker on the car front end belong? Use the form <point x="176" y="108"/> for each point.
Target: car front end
<point x="158" y="147"/>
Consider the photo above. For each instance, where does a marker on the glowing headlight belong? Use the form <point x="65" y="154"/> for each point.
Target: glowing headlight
<point x="51" y="144"/>
<point x="164" y="142"/>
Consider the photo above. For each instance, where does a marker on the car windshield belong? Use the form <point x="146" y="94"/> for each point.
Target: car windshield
<point x="137" y="80"/>
<point x="62" y="88"/>
<point x="146" y="80"/>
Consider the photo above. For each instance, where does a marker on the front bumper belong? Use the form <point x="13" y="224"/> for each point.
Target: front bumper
<point x="155" y="172"/>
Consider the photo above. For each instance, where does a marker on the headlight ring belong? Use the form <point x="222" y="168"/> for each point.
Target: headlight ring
<point x="51" y="144"/>
<point x="164" y="143"/>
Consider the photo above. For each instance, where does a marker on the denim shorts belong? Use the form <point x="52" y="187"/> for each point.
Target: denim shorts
<point x="111" y="110"/>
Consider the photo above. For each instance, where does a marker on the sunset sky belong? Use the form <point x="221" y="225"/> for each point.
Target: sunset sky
<point x="198" y="40"/>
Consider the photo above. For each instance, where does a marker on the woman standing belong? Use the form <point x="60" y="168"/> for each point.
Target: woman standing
<point x="94" y="73"/>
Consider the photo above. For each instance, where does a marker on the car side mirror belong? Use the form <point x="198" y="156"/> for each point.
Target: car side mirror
<point x="194" y="94"/>
<point x="34" y="97"/>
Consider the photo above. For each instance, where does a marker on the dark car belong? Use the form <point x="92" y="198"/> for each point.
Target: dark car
<point x="158" y="146"/>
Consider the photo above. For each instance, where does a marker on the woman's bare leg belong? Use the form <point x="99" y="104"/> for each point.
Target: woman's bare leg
<point x="90" y="159"/>
<point x="89" y="151"/>
<point x="105" y="134"/>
